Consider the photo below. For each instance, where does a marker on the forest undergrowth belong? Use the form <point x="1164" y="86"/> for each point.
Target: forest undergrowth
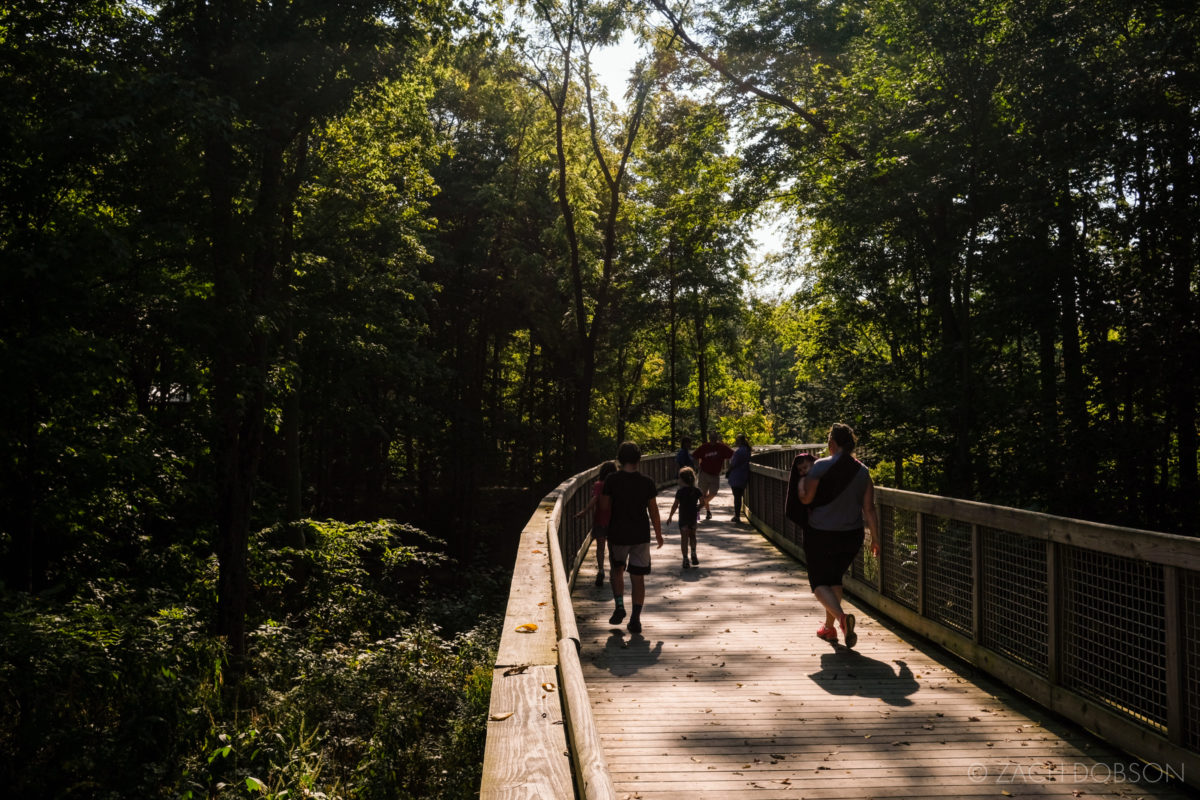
<point x="367" y="673"/>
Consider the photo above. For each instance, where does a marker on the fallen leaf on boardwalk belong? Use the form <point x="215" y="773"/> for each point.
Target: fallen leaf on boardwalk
<point x="776" y="755"/>
<point x="527" y="627"/>
<point x="927" y="727"/>
<point x="537" y="551"/>
<point x="549" y="687"/>
<point x="868" y="736"/>
<point x="1006" y="794"/>
<point x="973" y="719"/>
<point x="501" y="716"/>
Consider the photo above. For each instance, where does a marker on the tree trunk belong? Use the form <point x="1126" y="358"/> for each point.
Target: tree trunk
<point x="673" y="344"/>
<point x="1080" y="475"/>
<point x="1182" y="378"/>
<point x="701" y="374"/>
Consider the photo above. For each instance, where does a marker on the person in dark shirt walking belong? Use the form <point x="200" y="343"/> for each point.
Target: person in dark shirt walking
<point x="683" y="458"/>
<point x="630" y="498"/>
<point x="739" y="475"/>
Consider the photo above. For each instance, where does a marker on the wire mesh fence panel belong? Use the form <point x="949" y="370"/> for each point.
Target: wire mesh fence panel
<point x="898" y="550"/>
<point x="866" y="566"/>
<point x="948" y="578"/>
<point x="1114" y="633"/>
<point x="573" y="529"/>
<point x="1014" y="605"/>
<point x="1189" y="585"/>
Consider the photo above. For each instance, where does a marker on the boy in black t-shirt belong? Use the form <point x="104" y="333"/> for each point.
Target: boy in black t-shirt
<point x="630" y="498"/>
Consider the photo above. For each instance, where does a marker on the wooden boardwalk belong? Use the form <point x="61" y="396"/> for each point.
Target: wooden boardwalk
<point x="727" y="692"/>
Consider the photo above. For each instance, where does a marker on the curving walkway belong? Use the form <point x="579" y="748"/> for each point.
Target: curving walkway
<point x="727" y="692"/>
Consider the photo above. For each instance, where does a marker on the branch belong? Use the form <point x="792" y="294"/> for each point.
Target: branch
<point x="746" y="86"/>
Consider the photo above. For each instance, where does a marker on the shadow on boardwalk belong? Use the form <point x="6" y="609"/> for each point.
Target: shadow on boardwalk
<point x="728" y="693"/>
<point x="848" y="673"/>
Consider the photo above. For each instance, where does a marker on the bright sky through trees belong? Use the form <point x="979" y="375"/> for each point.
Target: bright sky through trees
<point x="613" y="65"/>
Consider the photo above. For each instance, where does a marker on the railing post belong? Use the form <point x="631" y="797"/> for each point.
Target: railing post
<point x="881" y="559"/>
<point x="976" y="584"/>
<point x="1053" y="617"/>
<point x="921" y="562"/>
<point x="1175" y="673"/>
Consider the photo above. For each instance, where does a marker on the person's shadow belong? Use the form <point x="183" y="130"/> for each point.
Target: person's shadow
<point x="623" y="656"/>
<point x="846" y="672"/>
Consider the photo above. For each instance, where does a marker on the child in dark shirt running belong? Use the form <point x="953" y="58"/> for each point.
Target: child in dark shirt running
<point x="688" y="500"/>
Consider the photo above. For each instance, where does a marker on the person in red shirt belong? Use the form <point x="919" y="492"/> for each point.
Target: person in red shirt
<point x="710" y="459"/>
<point x="599" y="520"/>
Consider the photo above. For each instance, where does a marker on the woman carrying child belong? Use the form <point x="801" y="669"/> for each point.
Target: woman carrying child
<point x="841" y="500"/>
<point x="688" y="500"/>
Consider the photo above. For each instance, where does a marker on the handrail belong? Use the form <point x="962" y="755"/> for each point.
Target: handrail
<point x="1098" y="623"/>
<point x="539" y="710"/>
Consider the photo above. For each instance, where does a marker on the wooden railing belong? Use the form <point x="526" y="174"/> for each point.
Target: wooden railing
<point x="541" y="739"/>
<point x="1098" y="623"/>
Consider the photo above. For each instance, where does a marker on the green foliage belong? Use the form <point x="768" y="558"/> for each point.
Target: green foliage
<point x="351" y="687"/>
<point x="992" y="247"/>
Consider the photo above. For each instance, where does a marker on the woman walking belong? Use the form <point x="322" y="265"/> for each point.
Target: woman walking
<point x="841" y="498"/>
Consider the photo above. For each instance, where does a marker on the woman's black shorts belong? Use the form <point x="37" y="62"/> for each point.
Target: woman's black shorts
<point x="829" y="554"/>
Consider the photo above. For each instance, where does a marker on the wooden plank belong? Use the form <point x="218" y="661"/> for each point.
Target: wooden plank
<point x="526" y="752"/>
<point x="529" y="600"/>
<point x="728" y="693"/>
<point x="593" y="780"/>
